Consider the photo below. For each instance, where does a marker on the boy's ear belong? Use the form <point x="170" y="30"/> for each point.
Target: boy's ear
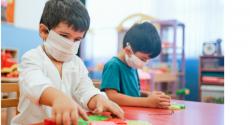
<point x="128" y="51"/>
<point x="43" y="31"/>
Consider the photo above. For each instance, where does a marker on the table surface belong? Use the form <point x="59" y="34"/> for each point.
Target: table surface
<point x="195" y="113"/>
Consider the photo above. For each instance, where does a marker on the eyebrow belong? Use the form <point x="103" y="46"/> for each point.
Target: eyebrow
<point x="80" y="38"/>
<point x="65" y="33"/>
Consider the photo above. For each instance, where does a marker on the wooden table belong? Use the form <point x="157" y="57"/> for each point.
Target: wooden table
<point x="196" y="113"/>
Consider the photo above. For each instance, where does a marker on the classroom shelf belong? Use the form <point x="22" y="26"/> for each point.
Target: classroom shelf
<point x="212" y="83"/>
<point x="211" y="72"/>
<point x="212" y="69"/>
<point x="212" y="57"/>
<point x="8" y="80"/>
<point x="172" y="33"/>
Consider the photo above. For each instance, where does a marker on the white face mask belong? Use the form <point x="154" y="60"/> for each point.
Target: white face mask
<point x="134" y="61"/>
<point x="60" y="48"/>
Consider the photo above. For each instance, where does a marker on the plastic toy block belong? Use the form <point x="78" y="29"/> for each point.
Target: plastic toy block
<point x="137" y="122"/>
<point x="184" y="91"/>
<point x="82" y="122"/>
<point x="49" y="122"/>
<point x="97" y="118"/>
<point x="177" y="106"/>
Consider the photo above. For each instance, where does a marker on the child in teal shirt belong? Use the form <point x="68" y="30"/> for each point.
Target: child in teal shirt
<point x="120" y="78"/>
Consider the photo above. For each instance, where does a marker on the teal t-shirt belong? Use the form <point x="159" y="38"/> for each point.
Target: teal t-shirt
<point x="119" y="76"/>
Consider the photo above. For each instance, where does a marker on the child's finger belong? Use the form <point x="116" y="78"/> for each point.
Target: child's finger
<point x="66" y="118"/>
<point x="99" y="108"/>
<point x="159" y="92"/>
<point x="74" y="117"/>
<point x="164" y="100"/>
<point x="82" y="113"/>
<point x="165" y="97"/>
<point x="164" y="104"/>
<point x="116" y="110"/>
<point x="58" y="118"/>
<point x="53" y="115"/>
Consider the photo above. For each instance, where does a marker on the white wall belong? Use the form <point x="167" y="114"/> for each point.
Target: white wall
<point x="105" y="16"/>
<point x="203" y="20"/>
<point x="28" y="13"/>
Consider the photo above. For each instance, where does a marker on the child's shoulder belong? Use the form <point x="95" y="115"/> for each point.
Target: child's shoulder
<point x="33" y="53"/>
<point x="114" y="62"/>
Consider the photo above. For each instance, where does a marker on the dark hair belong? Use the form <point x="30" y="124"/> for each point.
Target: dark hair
<point x="143" y="38"/>
<point x="71" y="12"/>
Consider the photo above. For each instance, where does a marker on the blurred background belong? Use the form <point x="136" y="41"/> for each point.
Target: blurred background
<point x="190" y="66"/>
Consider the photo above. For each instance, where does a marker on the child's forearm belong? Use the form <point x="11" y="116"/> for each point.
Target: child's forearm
<point x="145" y="93"/>
<point x="125" y="100"/>
<point x="49" y="95"/>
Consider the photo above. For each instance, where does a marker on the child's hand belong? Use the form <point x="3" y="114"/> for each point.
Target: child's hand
<point x="101" y="104"/>
<point x="158" y="99"/>
<point x="65" y="111"/>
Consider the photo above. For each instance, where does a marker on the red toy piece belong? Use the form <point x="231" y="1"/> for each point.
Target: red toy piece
<point x="49" y="122"/>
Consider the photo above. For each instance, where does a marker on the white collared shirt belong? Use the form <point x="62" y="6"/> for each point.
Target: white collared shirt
<point x="37" y="72"/>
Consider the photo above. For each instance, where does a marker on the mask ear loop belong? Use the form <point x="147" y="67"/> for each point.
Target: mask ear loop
<point x="128" y="45"/>
<point x="47" y="29"/>
<point x="47" y="32"/>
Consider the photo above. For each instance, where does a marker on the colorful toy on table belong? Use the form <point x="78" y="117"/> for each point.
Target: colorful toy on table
<point x="97" y="118"/>
<point x="177" y="106"/>
<point x="104" y="116"/>
<point x="116" y="121"/>
<point x="137" y="122"/>
<point x="82" y="122"/>
<point x="104" y="119"/>
<point x="94" y="120"/>
<point x="184" y="92"/>
<point x="49" y="122"/>
<point x="181" y="93"/>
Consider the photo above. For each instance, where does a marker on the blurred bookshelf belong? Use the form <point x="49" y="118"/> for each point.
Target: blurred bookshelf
<point x="211" y="79"/>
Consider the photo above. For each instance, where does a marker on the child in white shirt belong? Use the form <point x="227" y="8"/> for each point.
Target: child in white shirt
<point x="54" y="82"/>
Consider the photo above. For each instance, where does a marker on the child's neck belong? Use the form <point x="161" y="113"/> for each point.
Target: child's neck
<point x="121" y="56"/>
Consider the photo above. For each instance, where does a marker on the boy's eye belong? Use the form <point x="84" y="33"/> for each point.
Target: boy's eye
<point x="144" y="60"/>
<point x="77" y="39"/>
<point x="63" y="35"/>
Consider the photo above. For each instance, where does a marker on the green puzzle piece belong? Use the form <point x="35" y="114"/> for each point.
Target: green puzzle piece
<point x="82" y="122"/>
<point x="97" y="118"/>
<point x="92" y="118"/>
<point x="177" y="106"/>
<point x="137" y="122"/>
<point x="102" y="118"/>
